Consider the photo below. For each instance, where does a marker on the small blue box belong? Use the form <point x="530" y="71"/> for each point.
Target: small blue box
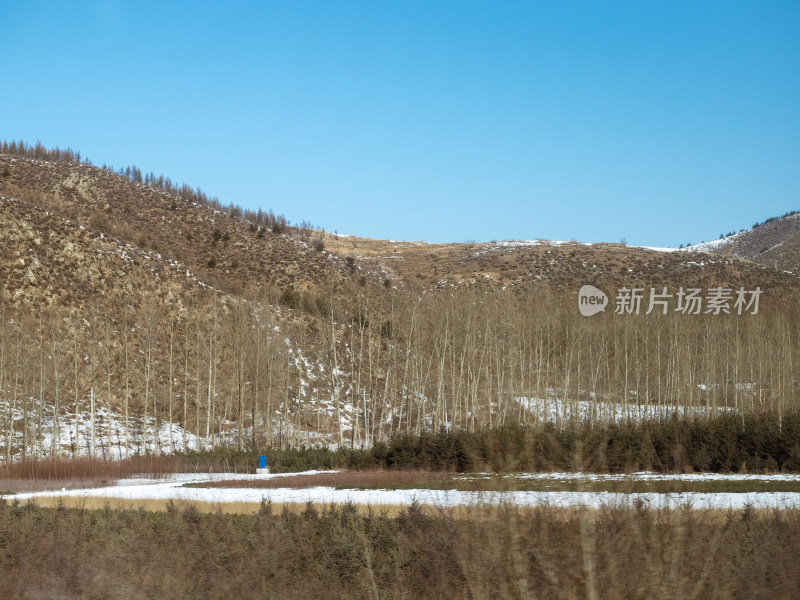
<point x="262" y="462"/>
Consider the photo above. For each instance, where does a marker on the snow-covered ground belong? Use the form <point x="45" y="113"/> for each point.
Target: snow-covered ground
<point x="116" y="437"/>
<point x="554" y="410"/>
<point x="172" y="487"/>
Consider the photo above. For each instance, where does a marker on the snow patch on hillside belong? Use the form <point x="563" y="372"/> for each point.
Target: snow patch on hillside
<point x="557" y="410"/>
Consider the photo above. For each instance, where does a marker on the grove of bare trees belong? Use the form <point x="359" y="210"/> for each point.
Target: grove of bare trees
<point x="362" y="366"/>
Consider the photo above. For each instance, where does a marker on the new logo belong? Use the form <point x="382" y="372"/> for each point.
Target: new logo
<point x="591" y="300"/>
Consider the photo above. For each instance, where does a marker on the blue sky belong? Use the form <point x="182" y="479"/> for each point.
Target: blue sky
<point x="658" y="122"/>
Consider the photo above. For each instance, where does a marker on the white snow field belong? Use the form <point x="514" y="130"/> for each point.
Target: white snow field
<point x="172" y="487"/>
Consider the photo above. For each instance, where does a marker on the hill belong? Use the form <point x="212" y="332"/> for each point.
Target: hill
<point x="774" y="243"/>
<point x="139" y="316"/>
<point x="221" y="247"/>
<point x="527" y="265"/>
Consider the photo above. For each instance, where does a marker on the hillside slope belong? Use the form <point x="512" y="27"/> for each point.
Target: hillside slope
<point x="220" y="247"/>
<point x="775" y="243"/>
<point x="525" y="266"/>
<point x="230" y="252"/>
<point x="137" y="320"/>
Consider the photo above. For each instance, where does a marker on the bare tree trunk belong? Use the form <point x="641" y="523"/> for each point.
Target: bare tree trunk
<point x="127" y="398"/>
<point x="9" y="417"/>
<point x="212" y="349"/>
<point x="40" y="412"/>
<point x="148" y="364"/>
<point x="171" y="369"/>
<point x="55" y="440"/>
<point x="185" y="390"/>
<point x="91" y="417"/>
<point x="77" y="398"/>
<point x="335" y="376"/>
<point x="256" y="381"/>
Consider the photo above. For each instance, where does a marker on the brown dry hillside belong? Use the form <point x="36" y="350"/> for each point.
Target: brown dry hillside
<point x="774" y="243"/>
<point x="226" y="251"/>
<point x="219" y="247"/>
<point x="523" y="266"/>
<point x="49" y="261"/>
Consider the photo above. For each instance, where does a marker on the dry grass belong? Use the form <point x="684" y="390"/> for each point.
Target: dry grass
<point x="227" y="508"/>
<point x="357" y="479"/>
<point x="476" y="512"/>
<point x="309" y="551"/>
<point x="86" y="469"/>
<point x="81" y="473"/>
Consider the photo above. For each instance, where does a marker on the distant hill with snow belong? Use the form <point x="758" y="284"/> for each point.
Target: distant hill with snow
<point x="774" y="243"/>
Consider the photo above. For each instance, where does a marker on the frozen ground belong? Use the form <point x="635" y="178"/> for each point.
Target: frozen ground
<point x="173" y="488"/>
<point x="555" y="410"/>
<point x="114" y="437"/>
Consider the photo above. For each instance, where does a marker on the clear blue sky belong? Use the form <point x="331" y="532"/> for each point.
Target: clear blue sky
<point x="658" y="122"/>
